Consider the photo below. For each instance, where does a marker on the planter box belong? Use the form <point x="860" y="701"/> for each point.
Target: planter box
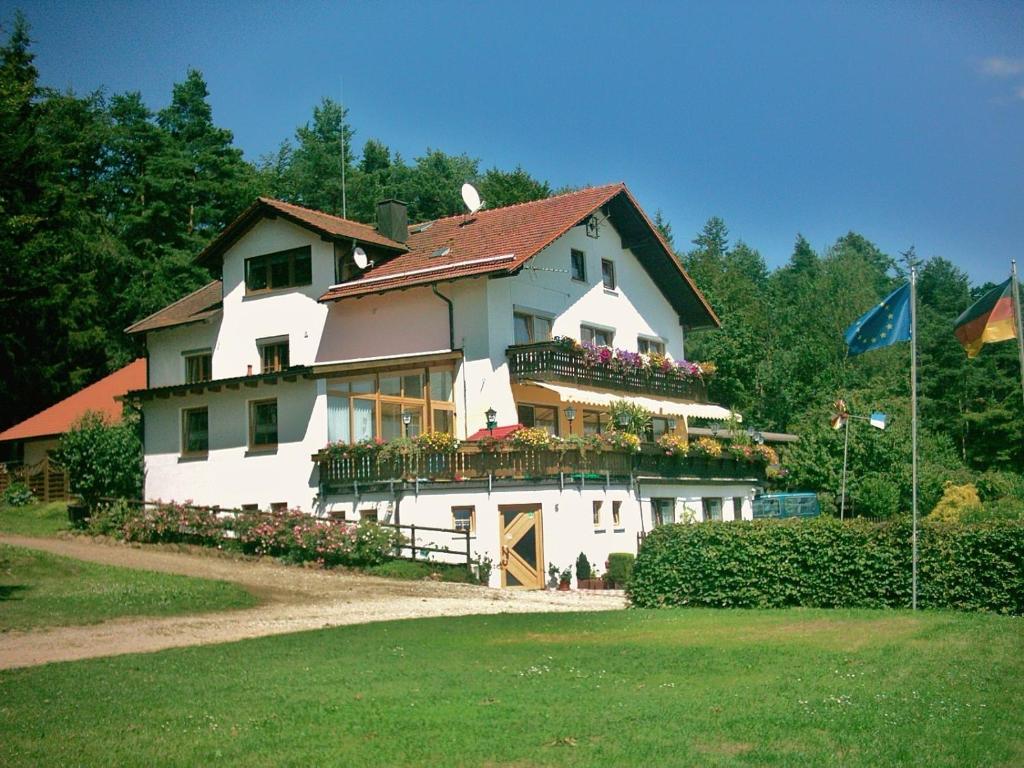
<point x="591" y="584"/>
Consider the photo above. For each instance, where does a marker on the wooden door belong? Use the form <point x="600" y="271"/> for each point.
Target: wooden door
<point x="521" y="546"/>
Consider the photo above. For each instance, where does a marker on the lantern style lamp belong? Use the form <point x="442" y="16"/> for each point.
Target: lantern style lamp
<point x="570" y="416"/>
<point x="492" y="420"/>
<point x="406" y="421"/>
<point x="622" y="420"/>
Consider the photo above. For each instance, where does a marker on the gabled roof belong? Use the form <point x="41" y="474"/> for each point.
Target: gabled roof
<point x="100" y="396"/>
<point x="193" y="308"/>
<point x="499" y="242"/>
<point x="324" y="224"/>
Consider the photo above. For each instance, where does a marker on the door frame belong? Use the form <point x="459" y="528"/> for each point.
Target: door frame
<point x="538" y="526"/>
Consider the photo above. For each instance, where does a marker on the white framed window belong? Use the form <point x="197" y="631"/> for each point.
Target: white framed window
<point x="596" y="335"/>
<point x="648" y="345"/>
<point x="712" y="509"/>
<point x="530" y="327"/>
<point x="663" y="512"/>
<point x="464" y="519"/>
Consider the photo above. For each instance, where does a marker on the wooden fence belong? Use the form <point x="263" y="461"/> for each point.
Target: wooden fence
<point x="47" y="481"/>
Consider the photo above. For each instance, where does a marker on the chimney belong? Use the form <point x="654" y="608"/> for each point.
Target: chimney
<point x="393" y="220"/>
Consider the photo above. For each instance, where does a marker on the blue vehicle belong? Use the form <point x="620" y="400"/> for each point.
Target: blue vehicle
<point x="783" y="505"/>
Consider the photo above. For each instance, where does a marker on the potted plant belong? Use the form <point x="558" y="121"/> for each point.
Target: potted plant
<point x="564" y="580"/>
<point x="552" y="576"/>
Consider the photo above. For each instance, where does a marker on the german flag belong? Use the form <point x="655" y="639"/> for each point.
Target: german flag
<point x="989" y="319"/>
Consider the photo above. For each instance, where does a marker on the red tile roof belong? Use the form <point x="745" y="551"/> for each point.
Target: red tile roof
<point x="58" y="418"/>
<point x="500" y="433"/>
<point x="477" y="243"/>
<point x="198" y="305"/>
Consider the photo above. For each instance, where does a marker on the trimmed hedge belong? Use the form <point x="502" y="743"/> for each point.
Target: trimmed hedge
<point x="831" y="564"/>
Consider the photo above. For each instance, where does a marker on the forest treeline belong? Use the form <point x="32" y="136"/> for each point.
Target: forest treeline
<point x="104" y="204"/>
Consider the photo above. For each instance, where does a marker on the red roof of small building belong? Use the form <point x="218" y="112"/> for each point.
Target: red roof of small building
<point x="498" y="433"/>
<point x="100" y="396"/>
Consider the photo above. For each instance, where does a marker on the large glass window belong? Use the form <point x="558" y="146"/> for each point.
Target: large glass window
<point x="283" y="269"/>
<point x="543" y="416"/>
<point x="529" y="328"/>
<point x="378" y="405"/>
<point x="263" y="423"/>
<point x="595" y="422"/>
<point x="195" y="431"/>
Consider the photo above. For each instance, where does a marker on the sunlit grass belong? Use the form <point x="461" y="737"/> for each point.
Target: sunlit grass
<point x="680" y="687"/>
<point x="35" y="519"/>
<point x="38" y="589"/>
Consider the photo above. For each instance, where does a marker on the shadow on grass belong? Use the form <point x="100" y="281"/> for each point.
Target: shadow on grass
<point x="9" y="591"/>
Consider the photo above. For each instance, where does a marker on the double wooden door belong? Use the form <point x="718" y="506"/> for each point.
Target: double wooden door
<point x="522" y="547"/>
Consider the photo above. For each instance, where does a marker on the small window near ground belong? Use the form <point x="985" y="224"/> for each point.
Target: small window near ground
<point x="273" y="355"/>
<point x="263" y="424"/>
<point x="616" y="513"/>
<point x="464" y="519"/>
<point x="198" y="367"/>
<point x="737" y="508"/>
<point x="279" y="506"/>
<point x="368" y="515"/>
<point x="578" y="265"/>
<point x="195" y="431"/>
<point x="597" y="514"/>
<point x="663" y="512"/>
<point x="543" y="416"/>
<point x="608" y="274"/>
<point x="250" y="507"/>
<point x="599" y="337"/>
<point x="712" y="509"/>
<point x="648" y="346"/>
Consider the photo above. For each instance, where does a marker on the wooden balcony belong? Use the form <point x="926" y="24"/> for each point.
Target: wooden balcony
<point x="342" y="475"/>
<point x="551" y="361"/>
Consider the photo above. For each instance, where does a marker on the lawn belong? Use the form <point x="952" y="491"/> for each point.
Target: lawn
<point x="38" y="589"/>
<point x="35" y="519"/>
<point x="663" y="688"/>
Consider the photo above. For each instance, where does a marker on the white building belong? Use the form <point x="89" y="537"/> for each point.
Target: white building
<point x="296" y="347"/>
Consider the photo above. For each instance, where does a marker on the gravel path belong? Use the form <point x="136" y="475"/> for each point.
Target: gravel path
<point x="294" y="599"/>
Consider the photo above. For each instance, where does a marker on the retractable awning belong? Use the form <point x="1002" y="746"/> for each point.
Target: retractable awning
<point x="657" y="407"/>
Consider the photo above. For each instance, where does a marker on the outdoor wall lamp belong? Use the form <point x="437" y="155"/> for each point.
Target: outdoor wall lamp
<point x="622" y="420"/>
<point x="406" y="421"/>
<point x="570" y="414"/>
<point x="492" y="420"/>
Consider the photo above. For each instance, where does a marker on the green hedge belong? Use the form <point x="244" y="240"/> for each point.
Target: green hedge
<point x="831" y="564"/>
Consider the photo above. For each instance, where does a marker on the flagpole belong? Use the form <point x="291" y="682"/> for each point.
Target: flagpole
<point x="1016" y="314"/>
<point x="913" y="428"/>
<point x="846" y="446"/>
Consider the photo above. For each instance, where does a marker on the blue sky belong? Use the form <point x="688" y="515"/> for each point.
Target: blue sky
<point x="902" y="121"/>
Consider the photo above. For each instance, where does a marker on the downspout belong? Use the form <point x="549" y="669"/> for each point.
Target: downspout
<point x="451" y="316"/>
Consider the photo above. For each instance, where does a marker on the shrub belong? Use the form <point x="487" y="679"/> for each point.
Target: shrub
<point x="619" y="568"/>
<point x="634" y="416"/>
<point x="109" y="519"/>
<point x="621" y="441"/>
<point x="102" y="459"/>
<point x="705" y="446"/>
<point x="441" y="442"/>
<point x="170" y="522"/>
<point x="17" y="495"/>
<point x="956" y="502"/>
<point x="673" y="445"/>
<point x="831" y="564"/>
<point x="582" y="567"/>
<point x="531" y="437"/>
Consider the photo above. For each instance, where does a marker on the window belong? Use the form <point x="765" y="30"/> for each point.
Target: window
<point x="616" y="513"/>
<point x="597" y="514"/>
<point x="578" y="265"/>
<point x="464" y="519"/>
<point x="279" y="506"/>
<point x="250" y="507"/>
<point x="663" y="512"/>
<point x="712" y="509"/>
<point x="263" y="424"/>
<point x="596" y="422"/>
<point x="283" y="269"/>
<point x="195" y="431"/>
<point x="530" y="328"/>
<point x="608" y="274"/>
<point x="660" y="425"/>
<point x="543" y="416"/>
<point x="198" y="366"/>
<point x="737" y="508"/>
<point x="648" y="346"/>
<point x="599" y="337"/>
<point x="372" y="405"/>
<point x="273" y="355"/>
<point x="368" y="515"/>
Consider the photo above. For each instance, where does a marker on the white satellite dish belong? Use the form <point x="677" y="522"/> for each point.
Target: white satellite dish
<point x="471" y="197"/>
<point x="360" y="258"/>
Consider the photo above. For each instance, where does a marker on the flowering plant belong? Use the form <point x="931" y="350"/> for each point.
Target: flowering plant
<point x="673" y="445"/>
<point x="705" y="446"/>
<point x="343" y="450"/>
<point x="741" y="451"/>
<point x="440" y="442"/>
<point x="625" y="361"/>
<point x="622" y="441"/>
<point x="531" y="437"/>
<point x="766" y="454"/>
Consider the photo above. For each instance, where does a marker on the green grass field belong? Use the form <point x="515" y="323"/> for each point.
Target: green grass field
<point x="38" y="589"/>
<point x="674" y="687"/>
<point x="35" y="519"/>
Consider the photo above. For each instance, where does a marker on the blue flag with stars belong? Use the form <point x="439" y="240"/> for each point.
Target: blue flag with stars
<point x="886" y="323"/>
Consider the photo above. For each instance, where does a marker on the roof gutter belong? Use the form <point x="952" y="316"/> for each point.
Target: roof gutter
<point x="451" y="315"/>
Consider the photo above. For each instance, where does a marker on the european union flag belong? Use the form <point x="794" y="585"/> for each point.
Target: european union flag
<point x="882" y="325"/>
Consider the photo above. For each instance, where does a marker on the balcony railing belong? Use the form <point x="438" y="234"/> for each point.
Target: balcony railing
<point x="551" y="361"/>
<point x="339" y="474"/>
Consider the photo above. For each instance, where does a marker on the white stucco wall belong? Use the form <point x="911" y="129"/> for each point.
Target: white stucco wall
<point x="167" y="348"/>
<point x="231" y="474"/>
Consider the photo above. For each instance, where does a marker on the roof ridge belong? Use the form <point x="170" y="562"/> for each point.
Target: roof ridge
<point x="525" y="202"/>
<point x="174" y="303"/>
<point x="276" y="201"/>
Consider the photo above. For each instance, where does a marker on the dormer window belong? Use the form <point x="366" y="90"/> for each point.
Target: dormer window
<point x="282" y="269"/>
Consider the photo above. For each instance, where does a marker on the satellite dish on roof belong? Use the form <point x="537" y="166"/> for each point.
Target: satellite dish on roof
<point x="471" y="197"/>
<point x="360" y="258"/>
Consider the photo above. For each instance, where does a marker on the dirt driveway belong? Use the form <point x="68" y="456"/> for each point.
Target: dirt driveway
<point x="294" y="599"/>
